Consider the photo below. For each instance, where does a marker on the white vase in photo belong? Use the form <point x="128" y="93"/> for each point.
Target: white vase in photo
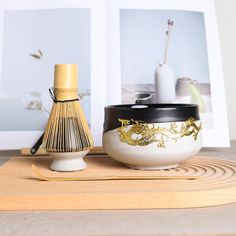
<point x="164" y="84"/>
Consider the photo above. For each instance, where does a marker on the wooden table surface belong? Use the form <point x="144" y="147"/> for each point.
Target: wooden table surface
<point x="220" y="220"/>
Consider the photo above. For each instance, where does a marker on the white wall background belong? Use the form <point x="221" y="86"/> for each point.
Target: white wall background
<point x="226" y="16"/>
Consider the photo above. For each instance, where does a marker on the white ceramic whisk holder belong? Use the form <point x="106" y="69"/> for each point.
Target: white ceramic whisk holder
<point x="68" y="161"/>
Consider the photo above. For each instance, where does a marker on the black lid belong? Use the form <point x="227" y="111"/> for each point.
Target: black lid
<point x="149" y="113"/>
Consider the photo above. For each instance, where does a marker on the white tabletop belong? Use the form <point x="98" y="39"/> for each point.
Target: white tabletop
<point x="196" y="221"/>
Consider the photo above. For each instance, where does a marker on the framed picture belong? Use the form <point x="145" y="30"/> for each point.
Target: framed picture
<point x="120" y="47"/>
<point x="157" y="45"/>
<point x="35" y="35"/>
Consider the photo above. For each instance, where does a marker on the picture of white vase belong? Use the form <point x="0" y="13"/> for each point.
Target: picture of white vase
<point x="164" y="75"/>
<point x="164" y="84"/>
<point x="145" y="38"/>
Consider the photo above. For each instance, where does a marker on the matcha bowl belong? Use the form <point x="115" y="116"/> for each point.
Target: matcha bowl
<point x="152" y="136"/>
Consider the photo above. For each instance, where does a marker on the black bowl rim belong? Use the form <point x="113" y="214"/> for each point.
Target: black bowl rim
<point x="153" y="106"/>
<point x="153" y="113"/>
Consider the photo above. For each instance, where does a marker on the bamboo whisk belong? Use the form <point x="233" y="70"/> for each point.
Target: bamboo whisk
<point x="67" y="129"/>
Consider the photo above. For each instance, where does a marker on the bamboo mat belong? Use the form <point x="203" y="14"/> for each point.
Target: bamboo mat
<point x="21" y="190"/>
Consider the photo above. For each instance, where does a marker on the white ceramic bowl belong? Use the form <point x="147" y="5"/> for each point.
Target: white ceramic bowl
<point x="154" y="136"/>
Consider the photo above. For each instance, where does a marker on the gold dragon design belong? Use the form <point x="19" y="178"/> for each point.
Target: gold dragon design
<point x="139" y="133"/>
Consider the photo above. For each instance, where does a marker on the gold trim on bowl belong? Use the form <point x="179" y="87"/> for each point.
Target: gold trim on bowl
<point x="139" y="133"/>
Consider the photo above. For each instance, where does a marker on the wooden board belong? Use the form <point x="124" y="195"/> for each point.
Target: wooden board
<point x="20" y="190"/>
